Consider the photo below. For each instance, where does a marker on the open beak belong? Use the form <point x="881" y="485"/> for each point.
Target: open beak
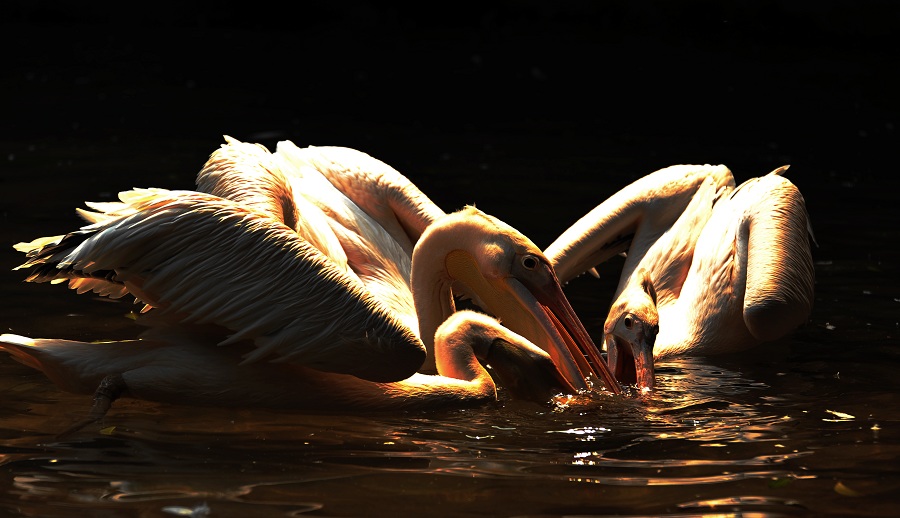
<point x="631" y="361"/>
<point x="570" y="346"/>
<point x="532" y="304"/>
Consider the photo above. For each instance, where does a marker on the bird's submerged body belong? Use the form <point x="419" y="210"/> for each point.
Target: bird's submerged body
<point x="750" y="279"/>
<point x="186" y="366"/>
<point x="314" y="278"/>
<point x="729" y="270"/>
<point x="320" y="278"/>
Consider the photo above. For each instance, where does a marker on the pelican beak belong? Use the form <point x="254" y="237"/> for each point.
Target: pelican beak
<point x="571" y="347"/>
<point x="530" y="302"/>
<point x="631" y="359"/>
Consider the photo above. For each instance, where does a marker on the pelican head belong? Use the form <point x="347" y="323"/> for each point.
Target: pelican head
<point x="630" y="332"/>
<point x="509" y="277"/>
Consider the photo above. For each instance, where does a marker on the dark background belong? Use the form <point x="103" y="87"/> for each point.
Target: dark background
<point x="536" y="112"/>
<point x="547" y="106"/>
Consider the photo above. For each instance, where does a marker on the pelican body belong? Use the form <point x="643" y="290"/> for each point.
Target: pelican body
<point x="710" y="268"/>
<point x="314" y="278"/>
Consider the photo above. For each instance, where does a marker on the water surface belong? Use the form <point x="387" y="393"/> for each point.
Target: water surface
<point x="535" y="118"/>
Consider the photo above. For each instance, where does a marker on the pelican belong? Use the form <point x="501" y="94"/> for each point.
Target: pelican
<point x="314" y="279"/>
<point x="709" y="268"/>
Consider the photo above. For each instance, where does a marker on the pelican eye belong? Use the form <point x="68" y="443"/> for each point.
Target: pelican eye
<point x="529" y="262"/>
<point x="629" y="321"/>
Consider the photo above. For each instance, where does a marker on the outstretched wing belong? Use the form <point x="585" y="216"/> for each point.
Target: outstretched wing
<point x="251" y="176"/>
<point x="289" y="186"/>
<point x="382" y="192"/>
<point x="668" y="260"/>
<point x="631" y="220"/>
<point x="199" y="258"/>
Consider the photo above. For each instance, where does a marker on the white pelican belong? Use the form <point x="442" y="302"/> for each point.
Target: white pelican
<point x="709" y="268"/>
<point x="245" y="311"/>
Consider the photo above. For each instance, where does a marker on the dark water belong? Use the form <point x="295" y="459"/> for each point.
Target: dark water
<point x="535" y="113"/>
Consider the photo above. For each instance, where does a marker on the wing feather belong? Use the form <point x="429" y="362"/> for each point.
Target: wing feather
<point x="204" y="259"/>
<point x="382" y="192"/>
<point x="780" y="271"/>
<point x="344" y="201"/>
<point x="251" y="176"/>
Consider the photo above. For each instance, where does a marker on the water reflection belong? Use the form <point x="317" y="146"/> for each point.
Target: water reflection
<point x="707" y="425"/>
<point x="764" y="434"/>
<point x="782" y="430"/>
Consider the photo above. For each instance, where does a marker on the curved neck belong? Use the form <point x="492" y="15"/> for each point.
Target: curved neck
<point x="432" y="284"/>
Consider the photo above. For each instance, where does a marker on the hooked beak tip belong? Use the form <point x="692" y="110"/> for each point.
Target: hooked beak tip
<point x="631" y="365"/>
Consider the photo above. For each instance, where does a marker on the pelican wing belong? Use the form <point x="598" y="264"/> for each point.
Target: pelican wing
<point x="250" y="175"/>
<point x="668" y="260"/>
<point x="289" y="186"/>
<point x="632" y="219"/>
<point x="752" y="260"/>
<point x="381" y="191"/>
<point x="199" y="258"/>
<point x="367" y="240"/>
<point x="780" y="273"/>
